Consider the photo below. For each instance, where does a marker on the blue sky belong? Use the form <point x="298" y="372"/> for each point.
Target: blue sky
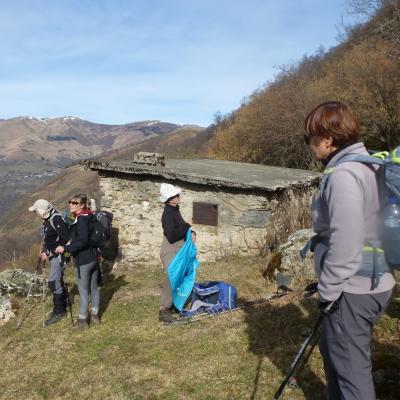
<point x="120" y="61"/>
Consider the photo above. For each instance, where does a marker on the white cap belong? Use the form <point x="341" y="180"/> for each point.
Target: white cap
<point x="167" y="191"/>
<point x="41" y="204"/>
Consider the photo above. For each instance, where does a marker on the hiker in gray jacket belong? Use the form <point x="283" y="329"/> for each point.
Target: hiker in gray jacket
<point x="346" y="218"/>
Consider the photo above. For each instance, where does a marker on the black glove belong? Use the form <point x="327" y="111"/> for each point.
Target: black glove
<point x="328" y="307"/>
<point x="311" y="287"/>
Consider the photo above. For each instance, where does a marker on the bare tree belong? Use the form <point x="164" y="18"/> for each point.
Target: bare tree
<point x="388" y="26"/>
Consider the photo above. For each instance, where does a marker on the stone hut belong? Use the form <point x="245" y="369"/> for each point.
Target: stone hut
<point x="236" y="208"/>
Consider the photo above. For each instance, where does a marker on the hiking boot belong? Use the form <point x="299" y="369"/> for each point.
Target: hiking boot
<point x="54" y="318"/>
<point x="94" y="319"/>
<point x="165" y="316"/>
<point x="59" y="303"/>
<point x="81" y="324"/>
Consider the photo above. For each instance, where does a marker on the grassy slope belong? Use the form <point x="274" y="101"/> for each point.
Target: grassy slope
<point x="241" y="355"/>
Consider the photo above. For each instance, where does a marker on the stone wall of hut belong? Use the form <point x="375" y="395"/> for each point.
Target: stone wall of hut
<point x="249" y="222"/>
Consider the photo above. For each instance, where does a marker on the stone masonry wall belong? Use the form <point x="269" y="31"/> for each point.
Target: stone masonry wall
<point x="246" y="220"/>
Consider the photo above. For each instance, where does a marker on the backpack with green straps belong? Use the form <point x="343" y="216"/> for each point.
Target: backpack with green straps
<point x="390" y="228"/>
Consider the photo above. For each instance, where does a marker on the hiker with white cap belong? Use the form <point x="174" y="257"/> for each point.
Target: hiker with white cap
<point x="55" y="232"/>
<point x="175" y="229"/>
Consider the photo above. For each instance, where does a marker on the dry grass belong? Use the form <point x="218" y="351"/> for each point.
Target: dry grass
<point x="239" y="355"/>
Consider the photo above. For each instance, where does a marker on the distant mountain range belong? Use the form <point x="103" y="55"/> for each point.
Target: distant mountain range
<point x="34" y="150"/>
<point x="58" y="141"/>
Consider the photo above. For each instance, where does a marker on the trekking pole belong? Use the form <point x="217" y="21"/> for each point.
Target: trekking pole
<point x="302" y="350"/>
<point x="68" y="301"/>
<point x="43" y="295"/>
<point x="293" y="382"/>
<point x="298" y="357"/>
<point x="29" y="293"/>
<point x="67" y="261"/>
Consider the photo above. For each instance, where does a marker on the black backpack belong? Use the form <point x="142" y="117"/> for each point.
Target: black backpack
<point x="51" y="221"/>
<point x="100" y="226"/>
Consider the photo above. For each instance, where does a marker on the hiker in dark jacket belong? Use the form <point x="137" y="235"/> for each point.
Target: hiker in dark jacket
<point x="346" y="218"/>
<point x="55" y="232"/>
<point x="86" y="261"/>
<point x="175" y="229"/>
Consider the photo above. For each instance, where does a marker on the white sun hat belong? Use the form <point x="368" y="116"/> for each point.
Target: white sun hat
<point x="40" y="204"/>
<point x="43" y="208"/>
<point x="167" y="191"/>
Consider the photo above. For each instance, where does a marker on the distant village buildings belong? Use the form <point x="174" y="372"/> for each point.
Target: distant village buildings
<point x="60" y="138"/>
<point x="236" y="208"/>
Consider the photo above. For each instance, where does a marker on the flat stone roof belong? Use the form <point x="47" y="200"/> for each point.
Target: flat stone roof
<point x="218" y="173"/>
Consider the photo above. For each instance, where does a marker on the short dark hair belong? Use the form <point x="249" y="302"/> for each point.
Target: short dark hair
<point x="332" y="119"/>
<point x="81" y="198"/>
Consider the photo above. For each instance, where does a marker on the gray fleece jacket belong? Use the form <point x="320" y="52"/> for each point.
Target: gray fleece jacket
<point x="347" y="217"/>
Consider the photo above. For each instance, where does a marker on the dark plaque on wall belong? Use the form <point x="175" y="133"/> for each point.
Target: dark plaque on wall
<point x="205" y="213"/>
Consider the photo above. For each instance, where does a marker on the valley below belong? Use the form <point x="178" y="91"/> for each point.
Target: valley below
<point x="17" y="181"/>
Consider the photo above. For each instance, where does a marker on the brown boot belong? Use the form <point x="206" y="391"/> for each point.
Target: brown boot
<point x="81" y="324"/>
<point x="165" y="316"/>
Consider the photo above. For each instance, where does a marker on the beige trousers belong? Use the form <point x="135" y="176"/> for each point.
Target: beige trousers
<point x="167" y="253"/>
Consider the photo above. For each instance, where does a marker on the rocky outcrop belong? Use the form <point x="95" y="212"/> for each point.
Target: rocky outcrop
<point x="17" y="281"/>
<point x="6" y="311"/>
<point x="292" y="266"/>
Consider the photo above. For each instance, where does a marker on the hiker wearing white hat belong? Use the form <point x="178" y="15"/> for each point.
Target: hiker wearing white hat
<point x="168" y="191"/>
<point x="55" y="233"/>
<point x="42" y="207"/>
<point x="174" y="229"/>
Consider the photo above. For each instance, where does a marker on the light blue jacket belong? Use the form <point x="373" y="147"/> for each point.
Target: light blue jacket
<point x="182" y="272"/>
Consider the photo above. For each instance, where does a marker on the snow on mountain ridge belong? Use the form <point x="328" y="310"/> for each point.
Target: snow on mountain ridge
<point x="43" y="119"/>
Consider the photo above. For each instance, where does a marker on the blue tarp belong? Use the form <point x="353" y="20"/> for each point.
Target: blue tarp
<point x="182" y="272"/>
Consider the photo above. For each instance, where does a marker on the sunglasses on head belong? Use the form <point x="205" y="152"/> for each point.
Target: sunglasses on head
<point x="73" y="202"/>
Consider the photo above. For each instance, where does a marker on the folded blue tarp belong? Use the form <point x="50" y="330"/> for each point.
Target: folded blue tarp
<point x="182" y="272"/>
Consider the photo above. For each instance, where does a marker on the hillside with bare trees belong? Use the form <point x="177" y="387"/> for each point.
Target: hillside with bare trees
<point x="363" y="71"/>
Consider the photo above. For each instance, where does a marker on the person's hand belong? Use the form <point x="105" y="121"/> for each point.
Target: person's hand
<point x="59" y="249"/>
<point x="194" y="237"/>
<point x="43" y="256"/>
<point x="311" y="288"/>
<point x="328" y="307"/>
